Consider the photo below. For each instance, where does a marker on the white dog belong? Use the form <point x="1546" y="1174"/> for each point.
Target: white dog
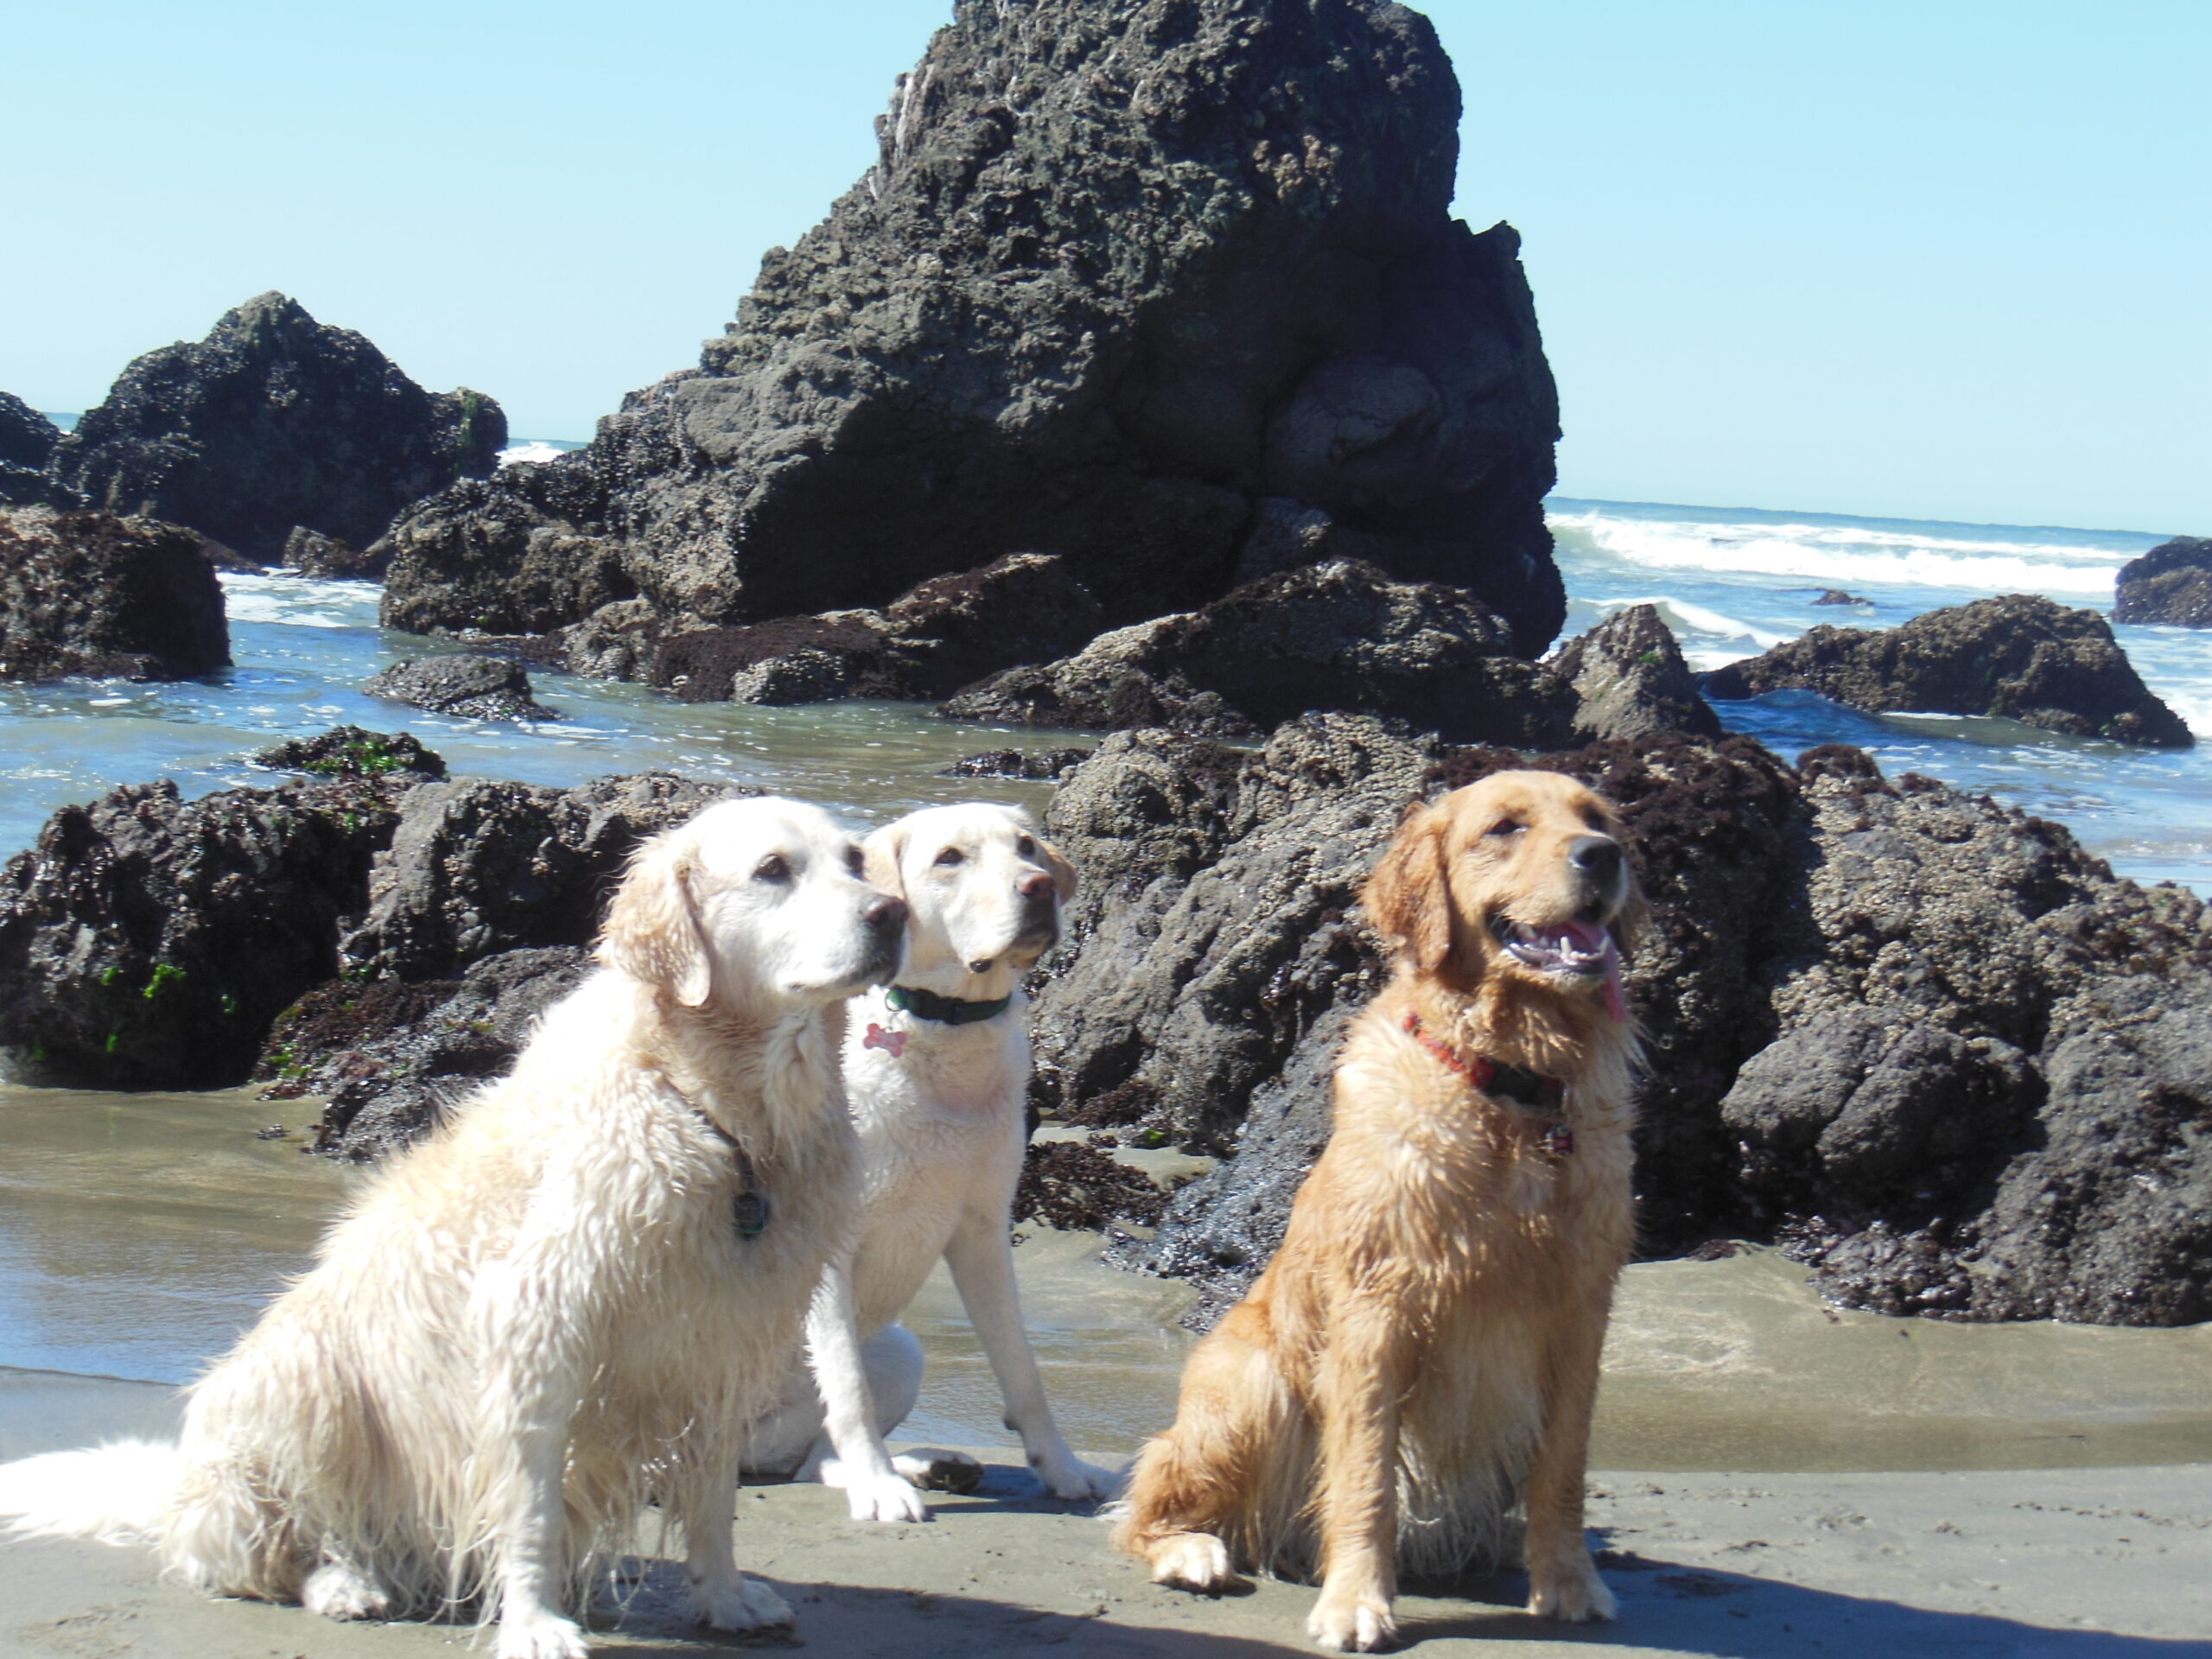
<point x="574" y="1296"/>
<point x="936" y="1067"/>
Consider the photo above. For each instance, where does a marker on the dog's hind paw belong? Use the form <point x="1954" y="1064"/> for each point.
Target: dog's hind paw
<point x="1357" y="1622"/>
<point x="1574" y="1594"/>
<point x="934" y="1471"/>
<point x="340" y="1590"/>
<point x="743" y="1605"/>
<point x="540" y="1634"/>
<point x="1193" y="1560"/>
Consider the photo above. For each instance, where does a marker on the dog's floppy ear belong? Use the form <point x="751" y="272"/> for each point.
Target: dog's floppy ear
<point x="1406" y="897"/>
<point x="1063" y="875"/>
<point x="884" y="852"/>
<point x="652" y="930"/>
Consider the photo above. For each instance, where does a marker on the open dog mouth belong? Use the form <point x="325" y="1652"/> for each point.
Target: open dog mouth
<point x="1582" y="951"/>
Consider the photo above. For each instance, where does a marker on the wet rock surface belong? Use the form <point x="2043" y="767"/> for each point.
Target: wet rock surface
<point x="27" y="441"/>
<point x="2019" y="656"/>
<point x="2171" y="585"/>
<point x="464" y="684"/>
<point x="1630" y="680"/>
<point x="1341" y="636"/>
<point x="274" y="421"/>
<point x="353" y="752"/>
<point x="114" y="598"/>
<point x="1153" y="287"/>
<point x="1035" y="766"/>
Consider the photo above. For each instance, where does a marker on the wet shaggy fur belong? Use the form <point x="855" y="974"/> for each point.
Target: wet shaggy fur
<point x="545" y="1314"/>
<point x="1421" y="1357"/>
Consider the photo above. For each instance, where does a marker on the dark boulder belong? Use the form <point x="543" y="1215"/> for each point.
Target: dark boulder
<point x="390" y="1058"/>
<point x="476" y="868"/>
<point x="89" y="593"/>
<point x="1339" y="637"/>
<point x="273" y="421"/>
<point x="480" y="557"/>
<point x="147" y="941"/>
<point x="1013" y="763"/>
<point x="327" y="557"/>
<point x="1121" y="274"/>
<point x="1837" y="596"/>
<point x="2171" y="585"/>
<point x="350" y="751"/>
<point x="1630" y="680"/>
<point x="473" y="687"/>
<point x="2019" y="656"/>
<point x="27" y="441"/>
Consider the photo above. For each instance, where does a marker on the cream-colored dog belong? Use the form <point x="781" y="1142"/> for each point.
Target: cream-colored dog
<point x="574" y="1295"/>
<point x="936" y="1067"/>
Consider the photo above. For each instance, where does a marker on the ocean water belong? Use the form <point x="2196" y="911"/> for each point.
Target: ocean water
<point x="1731" y="582"/>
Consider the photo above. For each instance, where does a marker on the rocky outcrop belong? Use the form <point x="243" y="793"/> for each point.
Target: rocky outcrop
<point x="274" y="421"/>
<point x="1630" y="680"/>
<point x="329" y="557"/>
<point x="2171" y="585"/>
<point x="1035" y="766"/>
<point x="463" y="684"/>
<point x="2019" y="656"/>
<point x="924" y="645"/>
<point x="1339" y="637"/>
<point x="1929" y="1043"/>
<point x="147" y="941"/>
<point x="391" y="1056"/>
<point x="475" y="867"/>
<point x="27" y="441"/>
<point x="351" y="752"/>
<point x="89" y="593"/>
<point x="1170" y="289"/>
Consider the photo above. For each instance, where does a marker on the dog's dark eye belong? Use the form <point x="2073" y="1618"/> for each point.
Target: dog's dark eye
<point x="1026" y="847"/>
<point x="949" y="857"/>
<point x="1506" y="827"/>
<point x="855" y="860"/>
<point x="774" y="868"/>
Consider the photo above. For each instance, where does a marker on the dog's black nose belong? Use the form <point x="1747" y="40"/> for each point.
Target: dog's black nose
<point x="885" y="914"/>
<point x="1597" y="857"/>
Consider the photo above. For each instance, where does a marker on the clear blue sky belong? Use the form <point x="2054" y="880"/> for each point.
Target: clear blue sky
<point x="1948" y="258"/>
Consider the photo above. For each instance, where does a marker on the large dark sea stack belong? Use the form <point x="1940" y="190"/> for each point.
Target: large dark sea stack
<point x="27" y="441"/>
<point x="276" y="420"/>
<point x="2170" y="584"/>
<point x="2019" y="656"/>
<point x="89" y="593"/>
<point x="1170" y="289"/>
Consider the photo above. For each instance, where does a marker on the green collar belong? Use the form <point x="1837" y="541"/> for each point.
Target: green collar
<point x="945" y="1010"/>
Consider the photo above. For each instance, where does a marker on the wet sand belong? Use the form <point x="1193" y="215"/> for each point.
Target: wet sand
<point x="1813" y="1481"/>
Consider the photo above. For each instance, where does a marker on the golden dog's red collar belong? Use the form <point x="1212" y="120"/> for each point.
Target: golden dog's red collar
<point x="1490" y="1077"/>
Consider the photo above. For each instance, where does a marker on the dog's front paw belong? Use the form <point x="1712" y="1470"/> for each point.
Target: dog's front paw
<point x="339" y="1590"/>
<point x="539" y="1633"/>
<point x="1193" y="1560"/>
<point x="1356" y="1621"/>
<point x="1571" y="1591"/>
<point x="887" y="1497"/>
<point x="1078" y="1482"/>
<point x="743" y="1603"/>
<point x="935" y="1470"/>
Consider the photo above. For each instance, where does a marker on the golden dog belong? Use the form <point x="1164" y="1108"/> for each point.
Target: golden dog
<point x="1423" y="1350"/>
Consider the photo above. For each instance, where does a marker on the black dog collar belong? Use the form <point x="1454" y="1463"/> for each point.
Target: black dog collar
<point x="945" y="1010"/>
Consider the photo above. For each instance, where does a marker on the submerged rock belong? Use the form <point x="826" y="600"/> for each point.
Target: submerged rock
<point x="2019" y="656"/>
<point x="1332" y="637"/>
<point x="89" y="593"/>
<point x="463" y="684"/>
<point x="1631" y="681"/>
<point x="276" y="421"/>
<point x="1132" y="283"/>
<point x="350" y="751"/>
<point x="2171" y="584"/>
<point x="1013" y="763"/>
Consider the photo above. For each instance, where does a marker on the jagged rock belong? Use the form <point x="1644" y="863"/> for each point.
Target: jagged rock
<point x="275" y="421"/>
<point x="1122" y="273"/>
<point x="2019" y="656"/>
<point x="390" y="1058"/>
<point x="27" y="441"/>
<point x="1012" y="763"/>
<point x="1341" y="636"/>
<point x="1630" y="678"/>
<point x="88" y="592"/>
<point x="147" y="941"/>
<point x="615" y="642"/>
<point x="2171" y="584"/>
<point x="473" y="687"/>
<point x="476" y="868"/>
<point x="327" y="557"/>
<point x="1837" y="596"/>
<point x="351" y="752"/>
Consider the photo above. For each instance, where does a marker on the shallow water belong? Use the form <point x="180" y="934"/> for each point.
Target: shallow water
<point x="139" y="1235"/>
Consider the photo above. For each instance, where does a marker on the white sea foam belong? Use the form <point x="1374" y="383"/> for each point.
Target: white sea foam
<point x="1848" y="556"/>
<point x="534" y="449"/>
<point x="299" y="601"/>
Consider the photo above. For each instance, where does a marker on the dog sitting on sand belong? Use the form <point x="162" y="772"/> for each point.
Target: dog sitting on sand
<point x="1422" y="1352"/>
<point x="937" y="1069"/>
<point x="573" y="1296"/>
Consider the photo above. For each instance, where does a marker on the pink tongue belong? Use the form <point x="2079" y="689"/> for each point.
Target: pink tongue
<point x="1591" y="940"/>
<point x="1588" y="938"/>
